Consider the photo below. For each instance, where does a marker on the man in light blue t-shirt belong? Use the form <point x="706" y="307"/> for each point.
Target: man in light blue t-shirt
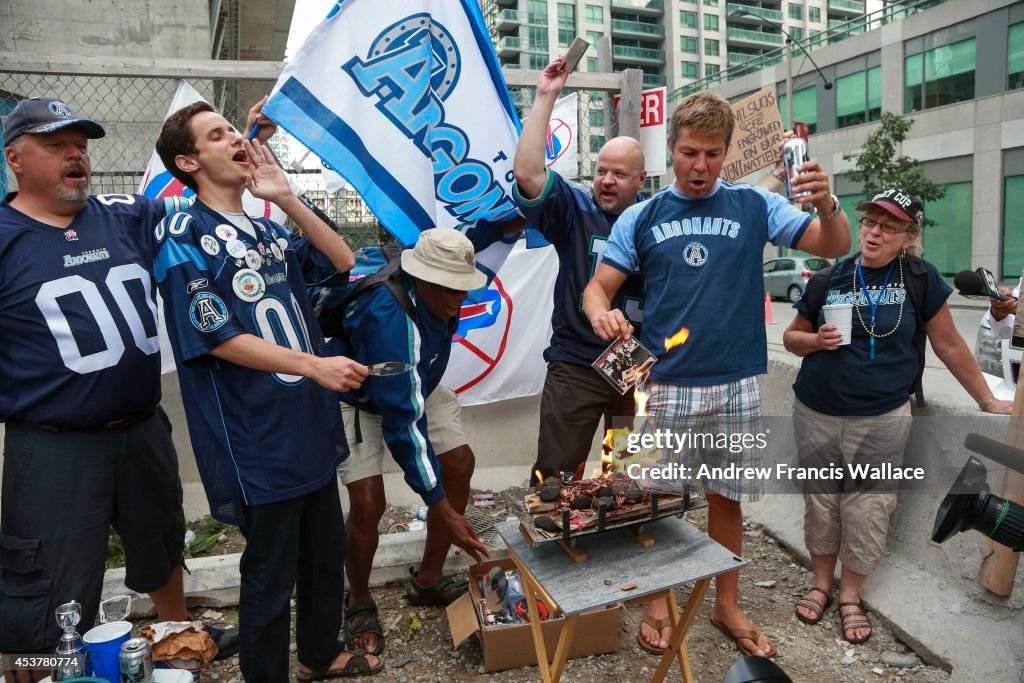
<point x="698" y="245"/>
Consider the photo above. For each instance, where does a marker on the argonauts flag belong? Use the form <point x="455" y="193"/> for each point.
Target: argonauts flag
<point x="407" y="102"/>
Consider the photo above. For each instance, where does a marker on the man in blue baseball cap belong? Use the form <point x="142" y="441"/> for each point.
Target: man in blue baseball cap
<point x="86" y="444"/>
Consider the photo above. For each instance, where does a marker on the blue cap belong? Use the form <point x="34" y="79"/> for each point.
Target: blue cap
<point x="46" y="115"/>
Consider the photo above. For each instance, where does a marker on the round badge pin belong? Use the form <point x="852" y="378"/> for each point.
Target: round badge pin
<point x="226" y="232"/>
<point x="253" y="259"/>
<point x="248" y="285"/>
<point x="235" y="248"/>
<point x="276" y="251"/>
<point x="283" y="243"/>
<point x="210" y="245"/>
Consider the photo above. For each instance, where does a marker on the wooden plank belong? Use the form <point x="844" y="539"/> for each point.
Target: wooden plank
<point x="999" y="563"/>
<point x="562" y="650"/>
<point x="629" y="103"/>
<point x="643" y="539"/>
<point x="531" y="586"/>
<point x="682" y="625"/>
<point x="574" y="553"/>
<point x="527" y="78"/>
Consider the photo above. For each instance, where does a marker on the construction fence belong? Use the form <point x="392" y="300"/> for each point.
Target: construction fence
<point x="132" y="105"/>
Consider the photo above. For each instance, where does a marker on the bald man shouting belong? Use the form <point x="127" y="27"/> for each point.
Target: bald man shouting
<point x="577" y="220"/>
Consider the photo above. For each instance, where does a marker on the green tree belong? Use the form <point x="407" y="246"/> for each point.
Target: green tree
<point x="877" y="167"/>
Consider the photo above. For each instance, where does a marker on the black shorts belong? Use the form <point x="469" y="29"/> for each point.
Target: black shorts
<point x="61" y="493"/>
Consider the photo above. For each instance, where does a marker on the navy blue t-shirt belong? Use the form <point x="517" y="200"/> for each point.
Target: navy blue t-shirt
<point x="568" y="217"/>
<point x="701" y="263"/>
<point x="78" y="333"/>
<point x="258" y="437"/>
<point x="846" y="382"/>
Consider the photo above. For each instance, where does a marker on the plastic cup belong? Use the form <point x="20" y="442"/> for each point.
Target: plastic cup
<point x="840" y="315"/>
<point x="104" y="645"/>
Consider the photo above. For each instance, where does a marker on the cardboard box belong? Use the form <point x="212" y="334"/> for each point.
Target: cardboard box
<point x="510" y="647"/>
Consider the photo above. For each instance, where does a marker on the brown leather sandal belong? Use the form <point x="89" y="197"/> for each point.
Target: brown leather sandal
<point x="752" y="634"/>
<point x="853" y="620"/>
<point x="818" y="608"/>
<point x="658" y="625"/>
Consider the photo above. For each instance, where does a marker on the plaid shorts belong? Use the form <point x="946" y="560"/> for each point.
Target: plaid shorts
<point x="711" y="426"/>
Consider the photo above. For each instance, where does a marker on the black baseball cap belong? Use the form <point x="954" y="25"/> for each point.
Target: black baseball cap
<point x="898" y="203"/>
<point x="46" y="115"/>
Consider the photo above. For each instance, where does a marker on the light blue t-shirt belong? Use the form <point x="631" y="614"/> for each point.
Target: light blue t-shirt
<point x="700" y="260"/>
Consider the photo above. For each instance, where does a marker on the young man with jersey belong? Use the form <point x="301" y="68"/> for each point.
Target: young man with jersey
<point x="411" y="415"/>
<point x="86" y="443"/>
<point x="259" y="399"/>
<point x="698" y="245"/>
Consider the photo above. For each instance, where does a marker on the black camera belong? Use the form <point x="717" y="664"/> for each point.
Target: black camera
<point x="971" y="505"/>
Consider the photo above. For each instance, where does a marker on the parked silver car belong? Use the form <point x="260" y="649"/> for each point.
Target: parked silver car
<point x="786" y="277"/>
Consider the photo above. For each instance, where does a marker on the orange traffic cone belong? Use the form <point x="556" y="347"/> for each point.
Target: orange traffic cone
<point x="769" y="319"/>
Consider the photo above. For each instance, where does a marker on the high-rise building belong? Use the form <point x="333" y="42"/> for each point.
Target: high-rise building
<point x="675" y="42"/>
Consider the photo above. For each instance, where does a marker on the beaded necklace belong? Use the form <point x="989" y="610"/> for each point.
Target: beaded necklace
<point x="873" y="305"/>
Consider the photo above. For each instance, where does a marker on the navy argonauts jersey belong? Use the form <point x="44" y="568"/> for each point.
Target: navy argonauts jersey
<point x="701" y="263"/>
<point x="78" y="332"/>
<point x="566" y="214"/>
<point x="378" y="330"/>
<point x="848" y="381"/>
<point x="258" y="437"/>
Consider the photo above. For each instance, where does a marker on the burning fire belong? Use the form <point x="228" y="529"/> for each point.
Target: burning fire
<point x="540" y="477"/>
<point x="677" y="339"/>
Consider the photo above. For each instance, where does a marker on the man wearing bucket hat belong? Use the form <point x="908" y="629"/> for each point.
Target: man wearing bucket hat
<point x="411" y="415"/>
<point x="86" y="443"/>
<point x="852" y="392"/>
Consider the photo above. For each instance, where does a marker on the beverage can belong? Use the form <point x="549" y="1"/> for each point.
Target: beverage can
<point x="136" y="660"/>
<point x="794" y="153"/>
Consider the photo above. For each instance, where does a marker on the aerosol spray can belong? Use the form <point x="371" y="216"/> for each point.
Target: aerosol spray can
<point x="136" y="659"/>
<point x="794" y="153"/>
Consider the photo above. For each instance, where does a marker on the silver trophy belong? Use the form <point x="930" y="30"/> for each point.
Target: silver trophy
<point x="71" y="653"/>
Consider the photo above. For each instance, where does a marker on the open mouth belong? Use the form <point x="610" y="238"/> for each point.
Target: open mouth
<point x="240" y="157"/>
<point x="76" y="175"/>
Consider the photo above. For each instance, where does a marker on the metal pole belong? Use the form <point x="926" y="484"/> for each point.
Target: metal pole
<point x="789" y="83"/>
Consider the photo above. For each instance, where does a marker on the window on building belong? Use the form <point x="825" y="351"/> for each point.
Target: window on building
<point x="814" y="14"/>
<point x="566" y="15"/>
<point x="651" y="185"/>
<point x="1015" y="57"/>
<point x="711" y="3"/>
<point x="537" y="39"/>
<point x="798" y="34"/>
<point x="566" y="36"/>
<point x="688" y="44"/>
<point x="538" y="60"/>
<point x="859" y="97"/>
<point x="597" y="118"/>
<point x="947" y="244"/>
<point x="711" y="47"/>
<point x="940" y="76"/>
<point x="796" y="11"/>
<point x="688" y="19"/>
<point x="596" y="143"/>
<point x="711" y="69"/>
<point x="595" y="14"/>
<point x="805" y="108"/>
<point x="1013" y="208"/>
<point x="710" y="22"/>
<point x="689" y="69"/>
<point x="537" y="12"/>
<point x="593" y="37"/>
<point x="592" y="66"/>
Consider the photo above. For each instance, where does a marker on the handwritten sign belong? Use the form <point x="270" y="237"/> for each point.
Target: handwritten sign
<point x="755" y="142"/>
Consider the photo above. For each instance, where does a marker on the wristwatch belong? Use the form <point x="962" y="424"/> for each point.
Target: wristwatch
<point x="833" y="213"/>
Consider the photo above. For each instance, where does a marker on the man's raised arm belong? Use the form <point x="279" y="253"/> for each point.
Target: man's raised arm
<point x="529" y="164"/>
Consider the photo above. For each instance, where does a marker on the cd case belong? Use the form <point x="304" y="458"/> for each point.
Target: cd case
<point x="624" y="363"/>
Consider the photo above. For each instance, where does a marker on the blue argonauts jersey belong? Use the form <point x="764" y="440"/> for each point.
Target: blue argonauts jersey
<point x="258" y="437"/>
<point x="701" y="263"/>
<point x="566" y="214"/>
<point x="78" y="332"/>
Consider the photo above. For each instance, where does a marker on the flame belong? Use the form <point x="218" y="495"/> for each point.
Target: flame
<point x="677" y="339"/>
<point x="640" y="397"/>
<point x="540" y="477"/>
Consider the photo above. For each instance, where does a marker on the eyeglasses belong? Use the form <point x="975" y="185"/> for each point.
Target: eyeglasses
<point x="870" y="223"/>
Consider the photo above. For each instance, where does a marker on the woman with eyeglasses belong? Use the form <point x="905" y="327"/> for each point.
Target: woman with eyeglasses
<point x="852" y="409"/>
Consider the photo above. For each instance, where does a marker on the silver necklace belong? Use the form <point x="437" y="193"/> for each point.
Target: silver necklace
<point x="871" y="329"/>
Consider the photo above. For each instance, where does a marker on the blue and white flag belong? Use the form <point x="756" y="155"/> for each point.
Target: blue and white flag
<point x="406" y="100"/>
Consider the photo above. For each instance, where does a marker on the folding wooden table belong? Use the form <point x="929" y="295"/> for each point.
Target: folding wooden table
<point x="680" y="554"/>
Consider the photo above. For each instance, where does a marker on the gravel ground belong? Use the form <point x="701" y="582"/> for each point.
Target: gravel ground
<point x="806" y="653"/>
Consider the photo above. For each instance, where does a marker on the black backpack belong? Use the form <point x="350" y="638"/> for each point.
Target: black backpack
<point x="330" y="303"/>
<point x="916" y="281"/>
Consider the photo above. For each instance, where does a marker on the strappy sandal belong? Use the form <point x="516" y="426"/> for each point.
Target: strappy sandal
<point x="853" y="620"/>
<point x="657" y="625"/>
<point x="361" y="618"/>
<point x="441" y="594"/>
<point x="818" y="608"/>
<point x="752" y="634"/>
<point x="357" y="665"/>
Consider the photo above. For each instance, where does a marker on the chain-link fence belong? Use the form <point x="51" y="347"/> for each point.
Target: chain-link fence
<point x="132" y="108"/>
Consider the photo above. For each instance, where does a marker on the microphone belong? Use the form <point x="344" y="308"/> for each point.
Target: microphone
<point x="1004" y="454"/>
<point x="978" y="284"/>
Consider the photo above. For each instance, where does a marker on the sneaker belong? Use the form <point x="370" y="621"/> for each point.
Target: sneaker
<point x="226" y="640"/>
